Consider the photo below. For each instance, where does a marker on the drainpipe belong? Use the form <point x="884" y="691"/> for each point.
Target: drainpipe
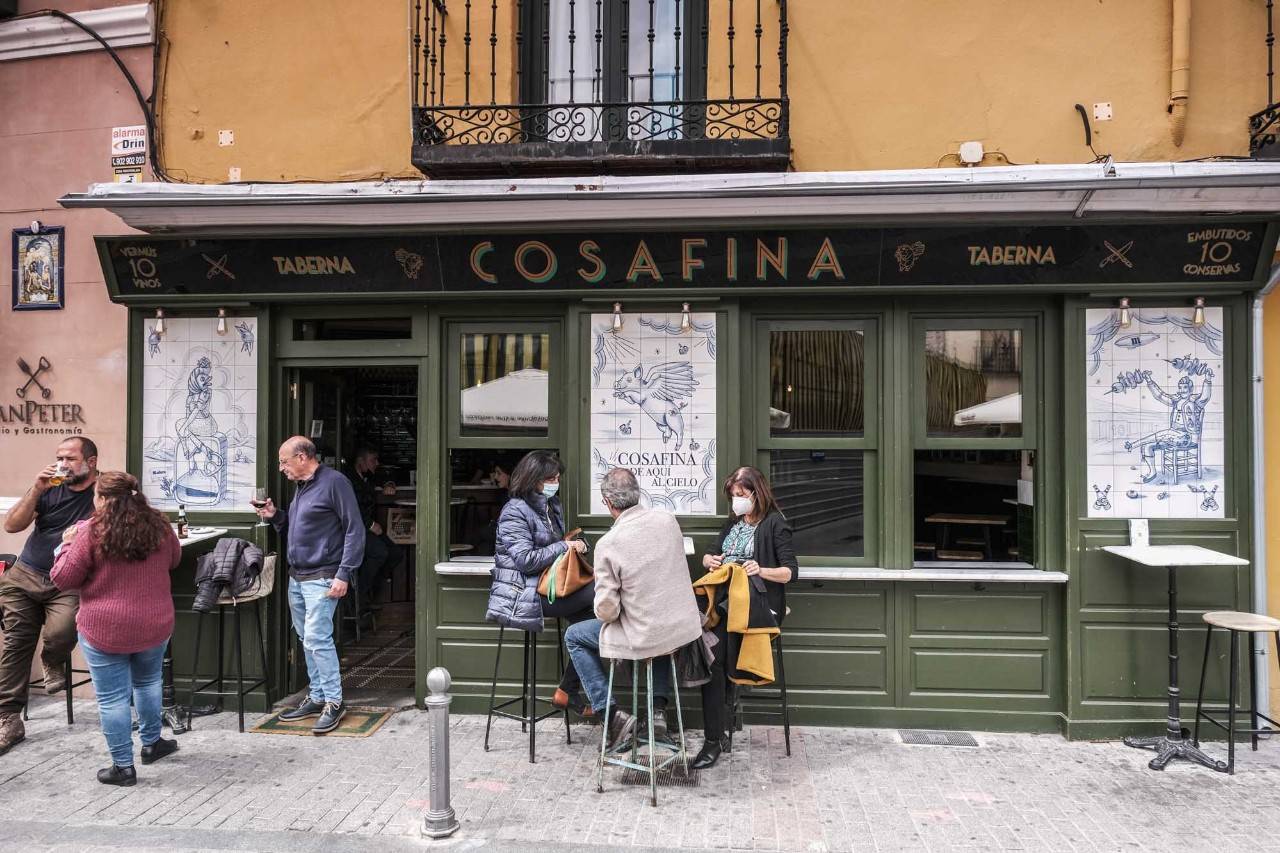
<point x="1259" y="487"/>
<point x="1180" y="69"/>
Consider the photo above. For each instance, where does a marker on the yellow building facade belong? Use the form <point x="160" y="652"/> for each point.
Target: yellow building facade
<point x="319" y="123"/>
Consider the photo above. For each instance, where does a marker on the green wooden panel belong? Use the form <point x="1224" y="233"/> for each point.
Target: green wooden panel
<point x="857" y="670"/>
<point x="462" y="605"/>
<point x="978" y="671"/>
<point x="1130" y="663"/>
<point x="833" y="611"/>
<point x="1109" y="582"/>
<point x="941" y="613"/>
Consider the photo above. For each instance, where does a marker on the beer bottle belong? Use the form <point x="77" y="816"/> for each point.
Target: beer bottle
<point x="182" y="521"/>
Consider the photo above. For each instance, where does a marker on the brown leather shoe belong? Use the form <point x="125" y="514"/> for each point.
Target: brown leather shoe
<point x="55" y="678"/>
<point x="563" y="700"/>
<point x="12" y="732"/>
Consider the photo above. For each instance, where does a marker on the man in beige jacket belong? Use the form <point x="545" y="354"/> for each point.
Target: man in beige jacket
<point x="644" y="601"/>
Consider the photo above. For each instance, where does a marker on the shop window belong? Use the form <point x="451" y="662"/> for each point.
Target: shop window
<point x="974" y="506"/>
<point x="503" y="383"/>
<point x="974" y="442"/>
<point x="816" y="382"/>
<point x="478" y="482"/>
<point x="973" y="382"/>
<point x="816" y="416"/>
<point x="353" y="329"/>
<point x="822" y="494"/>
<point x="500" y="409"/>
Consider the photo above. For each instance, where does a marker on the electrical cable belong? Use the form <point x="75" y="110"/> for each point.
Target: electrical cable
<point x="1088" y="135"/>
<point x="147" y="114"/>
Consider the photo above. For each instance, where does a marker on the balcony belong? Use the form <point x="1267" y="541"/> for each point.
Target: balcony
<point x="571" y="87"/>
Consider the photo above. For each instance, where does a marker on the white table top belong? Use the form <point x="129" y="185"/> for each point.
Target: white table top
<point x="6" y="504"/>
<point x="1174" y="555"/>
<point x="204" y="536"/>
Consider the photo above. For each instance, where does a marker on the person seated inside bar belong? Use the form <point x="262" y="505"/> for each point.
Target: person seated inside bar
<point x="644" y="604"/>
<point x="381" y="555"/>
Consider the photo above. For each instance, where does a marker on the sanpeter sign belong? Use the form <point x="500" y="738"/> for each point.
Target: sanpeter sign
<point x="829" y="257"/>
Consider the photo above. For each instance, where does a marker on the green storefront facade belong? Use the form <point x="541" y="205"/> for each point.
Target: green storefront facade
<point x="894" y="621"/>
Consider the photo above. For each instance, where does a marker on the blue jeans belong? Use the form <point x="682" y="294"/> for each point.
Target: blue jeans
<point x="115" y="677"/>
<point x="312" y="610"/>
<point x="583" y="642"/>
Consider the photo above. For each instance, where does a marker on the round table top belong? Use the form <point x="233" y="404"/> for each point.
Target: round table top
<point x="1234" y="620"/>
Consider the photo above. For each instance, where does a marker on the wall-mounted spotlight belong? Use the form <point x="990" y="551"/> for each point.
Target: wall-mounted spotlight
<point x="1125" y="319"/>
<point x="686" y="322"/>
<point x="1197" y="316"/>
<point x="616" y="325"/>
<point x="222" y="321"/>
<point x="159" y="329"/>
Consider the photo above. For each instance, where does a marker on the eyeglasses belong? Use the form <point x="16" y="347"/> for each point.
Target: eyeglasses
<point x="285" y="461"/>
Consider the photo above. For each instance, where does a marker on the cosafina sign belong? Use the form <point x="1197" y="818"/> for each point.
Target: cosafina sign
<point x="686" y="259"/>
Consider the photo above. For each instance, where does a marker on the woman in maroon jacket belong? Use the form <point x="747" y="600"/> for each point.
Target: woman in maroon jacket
<point x="119" y="560"/>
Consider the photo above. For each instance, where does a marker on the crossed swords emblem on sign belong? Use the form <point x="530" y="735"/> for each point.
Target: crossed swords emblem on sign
<point x="217" y="267"/>
<point x="32" y="375"/>
<point x="1113" y="254"/>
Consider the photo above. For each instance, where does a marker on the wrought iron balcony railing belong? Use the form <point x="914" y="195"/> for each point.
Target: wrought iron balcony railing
<point x="1264" y="125"/>
<point x="576" y="86"/>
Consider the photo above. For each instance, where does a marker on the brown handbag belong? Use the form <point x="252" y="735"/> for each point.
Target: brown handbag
<point x="566" y="575"/>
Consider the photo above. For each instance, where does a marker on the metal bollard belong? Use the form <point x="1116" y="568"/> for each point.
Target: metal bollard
<point x="439" y="821"/>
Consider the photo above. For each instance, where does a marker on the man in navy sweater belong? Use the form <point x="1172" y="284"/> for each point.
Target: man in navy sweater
<point x="324" y="544"/>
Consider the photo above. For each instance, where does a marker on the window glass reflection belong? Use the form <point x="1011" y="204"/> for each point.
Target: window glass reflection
<point x="504" y="383"/>
<point x="821" y="494"/>
<point x="973" y="382"/>
<point x="816" y="383"/>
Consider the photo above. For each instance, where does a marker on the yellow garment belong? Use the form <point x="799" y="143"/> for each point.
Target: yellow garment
<point x="755" y="652"/>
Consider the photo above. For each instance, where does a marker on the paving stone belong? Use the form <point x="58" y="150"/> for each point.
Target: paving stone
<point x="840" y="790"/>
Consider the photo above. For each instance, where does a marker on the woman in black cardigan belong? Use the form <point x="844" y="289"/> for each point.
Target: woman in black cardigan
<point x="758" y="537"/>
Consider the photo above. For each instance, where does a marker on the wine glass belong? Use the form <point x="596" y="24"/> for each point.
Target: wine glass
<point x="259" y="499"/>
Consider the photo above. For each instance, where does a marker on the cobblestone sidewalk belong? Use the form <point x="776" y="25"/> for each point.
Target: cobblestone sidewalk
<point x="841" y="790"/>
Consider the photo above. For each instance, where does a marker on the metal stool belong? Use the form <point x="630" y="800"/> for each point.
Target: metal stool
<point x="652" y="768"/>
<point x="528" y="698"/>
<point x="735" y="699"/>
<point x="68" y="671"/>
<point x="265" y="584"/>
<point x="68" y="674"/>
<point x="1236" y="623"/>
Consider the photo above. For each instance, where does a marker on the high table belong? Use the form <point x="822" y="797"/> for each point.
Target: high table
<point x="1172" y="744"/>
<point x="170" y="714"/>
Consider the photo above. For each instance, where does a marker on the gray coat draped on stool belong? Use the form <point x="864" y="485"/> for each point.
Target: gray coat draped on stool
<point x="530" y="538"/>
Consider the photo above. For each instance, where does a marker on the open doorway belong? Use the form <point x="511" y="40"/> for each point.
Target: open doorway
<point x="364" y="422"/>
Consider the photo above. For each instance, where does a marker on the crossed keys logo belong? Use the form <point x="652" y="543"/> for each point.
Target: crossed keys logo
<point x="33" y="377"/>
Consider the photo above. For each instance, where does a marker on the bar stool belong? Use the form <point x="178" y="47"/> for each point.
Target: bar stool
<point x="528" y="698"/>
<point x="266" y="582"/>
<point x="68" y="671"/>
<point x="1236" y="623"/>
<point x="68" y="674"/>
<point x="652" y="768"/>
<point x="735" y="698"/>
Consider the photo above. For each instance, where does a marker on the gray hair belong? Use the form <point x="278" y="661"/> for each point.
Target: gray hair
<point x="302" y="445"/>
<point x="620" y="489"/>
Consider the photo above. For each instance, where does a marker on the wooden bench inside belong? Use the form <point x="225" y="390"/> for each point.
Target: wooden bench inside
<point x="960" y="555"/>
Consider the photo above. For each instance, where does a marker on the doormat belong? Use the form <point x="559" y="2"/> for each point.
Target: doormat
<point x="359" y="722"/>
<point x="921" y="737"/>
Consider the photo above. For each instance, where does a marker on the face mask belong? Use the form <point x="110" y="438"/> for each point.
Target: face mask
<point x="550" y="489"/>
<point x="742" y="506"/>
